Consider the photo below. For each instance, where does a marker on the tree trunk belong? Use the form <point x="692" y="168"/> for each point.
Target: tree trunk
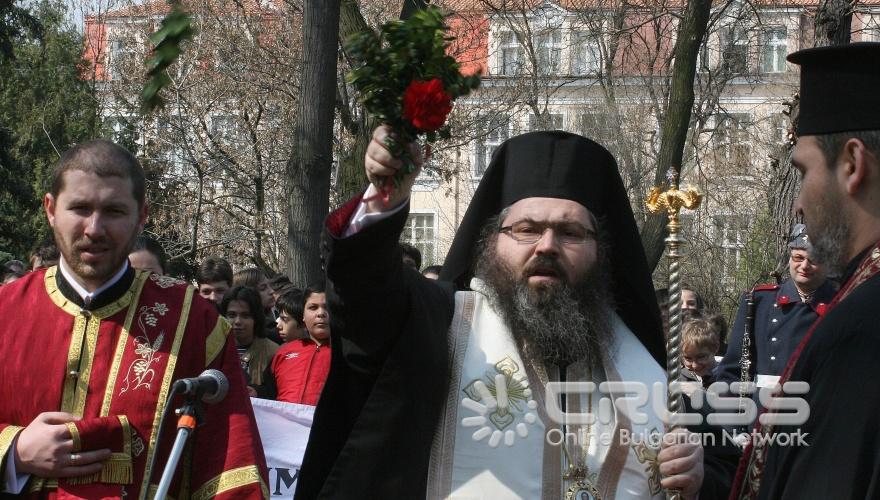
<point x="833" y="22"/>
<point x="832" y="27"/>
<point x="691" y="31"/>
<point x="308" y="169"/>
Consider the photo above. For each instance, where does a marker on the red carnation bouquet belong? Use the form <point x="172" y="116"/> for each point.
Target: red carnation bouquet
<point x="405" y="78"/>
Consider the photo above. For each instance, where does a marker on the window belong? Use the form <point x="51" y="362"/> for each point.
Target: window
<point x="586" y="58"/>
<point x="780" y="127"/>
<point x="870" y="31"/>
<point x="731" y="136"/>
<point x="595" y="125"/>
<point x="429" y="177"/>
<point x="119" y="57"/>
<point x="871" y="34"/>
<point x="498" y="130"/>
<point x="775" y="49"/>
<point x="166" y="140"/>
<point x="731" y="233"/>
<point x="734" y="50"/>
<point x="548" y="48"/>
<point x="510" y="54"/>
<point x="226" y="129"/>
<point x="122" y="130"/>
<point x="420" y="233"/>
<point x="703" y="58"/>
<point x="549" y="121"/>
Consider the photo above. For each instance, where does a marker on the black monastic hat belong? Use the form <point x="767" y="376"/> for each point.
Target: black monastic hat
<point x="567" y="166"/>
<point x="839" y="88"/>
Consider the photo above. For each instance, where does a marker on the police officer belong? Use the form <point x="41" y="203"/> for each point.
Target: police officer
<point x="783" y="315"/>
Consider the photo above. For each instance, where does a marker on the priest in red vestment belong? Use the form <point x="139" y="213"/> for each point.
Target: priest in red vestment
<point x="91" y="348"/>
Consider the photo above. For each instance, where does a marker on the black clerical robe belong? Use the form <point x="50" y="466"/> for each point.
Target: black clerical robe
<point x="389" y="374"/>
<point x="839" y="362"/>
<point x="375" y="420"/>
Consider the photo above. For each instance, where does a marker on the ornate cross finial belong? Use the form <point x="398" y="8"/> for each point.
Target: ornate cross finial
<point x="672" y="200"/>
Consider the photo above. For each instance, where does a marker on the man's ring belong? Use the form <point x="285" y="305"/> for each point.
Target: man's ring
<point x="74" y="458"/>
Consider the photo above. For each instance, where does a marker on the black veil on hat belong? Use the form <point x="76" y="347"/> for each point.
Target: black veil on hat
<point x="566" y="166"/>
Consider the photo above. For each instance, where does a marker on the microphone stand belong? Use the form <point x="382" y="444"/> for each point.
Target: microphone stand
<point x="190" y="415"/>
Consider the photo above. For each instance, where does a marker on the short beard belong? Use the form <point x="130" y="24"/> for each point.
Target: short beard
<point x="558" y="324"/>
<point x="101" y="272"/>
<point x="830" y="233"/>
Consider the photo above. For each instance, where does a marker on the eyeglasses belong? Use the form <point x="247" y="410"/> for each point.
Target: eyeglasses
<point x="702" y="359"/>
<point x="797" y="259"/>
<point x="529" y="232"/>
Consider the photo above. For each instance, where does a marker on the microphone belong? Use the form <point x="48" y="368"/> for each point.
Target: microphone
<point x="211" y="385"/>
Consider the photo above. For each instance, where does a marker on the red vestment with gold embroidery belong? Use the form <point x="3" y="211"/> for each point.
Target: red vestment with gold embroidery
<point x="114" y="367"/>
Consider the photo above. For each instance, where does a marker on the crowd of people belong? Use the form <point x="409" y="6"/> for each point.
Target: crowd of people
<point x="281" y="332"/>
<point x="771" y="321"/>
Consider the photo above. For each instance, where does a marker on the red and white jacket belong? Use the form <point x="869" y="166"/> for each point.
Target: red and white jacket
<point x="300" y="368"/>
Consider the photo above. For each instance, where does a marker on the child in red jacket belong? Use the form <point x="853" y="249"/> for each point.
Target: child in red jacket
<point x="300" y="367"/>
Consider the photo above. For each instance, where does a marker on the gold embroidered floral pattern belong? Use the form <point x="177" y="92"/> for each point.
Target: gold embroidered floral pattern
<point x="137" y="446"/>
<point x="140" y="373"/>
<point x="648" y="455"/>
<point x="165" y="281"/>
<point x="230" y="480"/>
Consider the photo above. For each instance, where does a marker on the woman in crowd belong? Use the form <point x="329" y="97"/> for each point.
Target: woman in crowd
<point x="299" y="369"/>
<point x="255" y="278"/>
<point x="242" y="307"/>
<point x="147" y="255"/>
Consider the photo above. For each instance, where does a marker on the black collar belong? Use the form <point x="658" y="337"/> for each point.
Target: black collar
<point x="104" y="298"/>
<point x="854" y="265"/>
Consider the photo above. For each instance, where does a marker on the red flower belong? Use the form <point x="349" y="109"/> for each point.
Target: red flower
<point x="426" y="104"/>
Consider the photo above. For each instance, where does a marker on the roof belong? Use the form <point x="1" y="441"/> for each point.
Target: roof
<point x="487" y="6"/>
<point x="153" y="8"/>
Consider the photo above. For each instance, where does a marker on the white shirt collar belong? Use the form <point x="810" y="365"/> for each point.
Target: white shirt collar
<point x="85" y="294"/>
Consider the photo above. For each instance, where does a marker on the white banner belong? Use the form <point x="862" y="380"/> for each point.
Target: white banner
<point x="284" y="430"/>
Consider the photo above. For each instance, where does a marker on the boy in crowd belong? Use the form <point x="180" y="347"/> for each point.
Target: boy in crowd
<point x="699" y="343"/>
<point x="214" y="279"/>
<point x="290" y="313"/>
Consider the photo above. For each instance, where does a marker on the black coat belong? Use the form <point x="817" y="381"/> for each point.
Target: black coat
<point x="839" y="362"/>
<point x="389" y="374"/>
<point x="389" y="371"/>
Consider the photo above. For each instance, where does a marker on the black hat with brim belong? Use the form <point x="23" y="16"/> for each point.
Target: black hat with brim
<point x="840" y="88"/>
<point x="566" y="166"/>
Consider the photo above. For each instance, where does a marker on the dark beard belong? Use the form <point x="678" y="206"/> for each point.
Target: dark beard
<point x="830" y="234"/>
<point x="558" y="323"/>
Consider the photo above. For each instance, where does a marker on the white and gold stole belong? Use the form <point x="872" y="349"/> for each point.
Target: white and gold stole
<point x="495" y="439"/>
